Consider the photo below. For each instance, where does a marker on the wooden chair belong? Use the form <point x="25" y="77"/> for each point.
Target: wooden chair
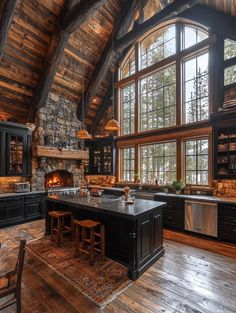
<point x="10" y="283"/>
<point x="89" y="238"/>
<point x="58" y="225"/>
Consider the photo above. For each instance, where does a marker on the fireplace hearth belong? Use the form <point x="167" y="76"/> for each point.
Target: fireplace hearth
<point x="58" y="179"/>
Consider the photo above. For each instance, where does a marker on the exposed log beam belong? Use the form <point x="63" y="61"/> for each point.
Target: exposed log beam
<point x="121" y="27"/>
<point x="103" y="107"/>
<point x="170" y="11"/>
<point x="129" y="18"/>
<point x="72" y="16"/>
<point x="5" y="23"/>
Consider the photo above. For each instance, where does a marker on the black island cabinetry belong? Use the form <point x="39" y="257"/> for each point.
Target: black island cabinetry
<point x="133" y="233"/>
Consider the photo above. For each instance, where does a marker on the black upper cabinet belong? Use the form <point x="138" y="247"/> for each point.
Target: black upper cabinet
<point x="225" y="152"/>
<point x="16" y="145"/>
<point x="101" y="156"/>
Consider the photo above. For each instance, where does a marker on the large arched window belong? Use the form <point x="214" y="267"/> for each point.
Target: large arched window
<point x="163" y="92"/>
<point x="163" y="76"/>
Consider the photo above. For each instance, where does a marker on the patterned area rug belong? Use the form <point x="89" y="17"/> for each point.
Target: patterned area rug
<point x="101" y="283"/>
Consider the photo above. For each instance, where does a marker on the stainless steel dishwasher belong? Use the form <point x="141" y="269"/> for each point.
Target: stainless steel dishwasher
<point x="201" y="217"/>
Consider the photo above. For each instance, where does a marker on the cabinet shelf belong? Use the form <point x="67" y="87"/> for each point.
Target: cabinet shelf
<point x="224" y="149"/>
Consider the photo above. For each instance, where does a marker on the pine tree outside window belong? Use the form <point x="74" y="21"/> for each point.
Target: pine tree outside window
<point x="158" y="163"/>
<point x="195" y="89"/>
<point x="127" y="157"/>
<point x="196" y="161"/>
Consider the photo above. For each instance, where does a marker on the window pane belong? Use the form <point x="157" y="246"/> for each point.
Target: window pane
<point x="158" y="162"/>
<point x="127" y="109"/>
<point x="196" y="162"/>
<point x="158" y="100"/>
<point x="230" y="49"/>
<point x="195" y="89"/>
<point x="157" y="46"/>
<point x="129" y="66"/>
<point x="230" y="75"/>
<point x="192" y="35"/>
<point x="127" y="164"/>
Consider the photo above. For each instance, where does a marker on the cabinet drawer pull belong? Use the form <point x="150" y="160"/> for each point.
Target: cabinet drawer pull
<point x="234" y="230"/>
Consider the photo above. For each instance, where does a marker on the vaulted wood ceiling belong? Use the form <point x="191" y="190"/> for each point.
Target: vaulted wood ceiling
<point x="28" y="41"/>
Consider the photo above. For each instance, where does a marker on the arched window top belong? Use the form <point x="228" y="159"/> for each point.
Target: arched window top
<point x="128" y="66"/>
<point x="192" y="35"/>
<point x="160" y="44"/>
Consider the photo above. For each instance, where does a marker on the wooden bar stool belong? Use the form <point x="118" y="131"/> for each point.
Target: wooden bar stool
<point x="89" y="238"/>
<point x="58" y="226"/>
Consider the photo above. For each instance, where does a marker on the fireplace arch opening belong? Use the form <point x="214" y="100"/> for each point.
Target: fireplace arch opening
<point x="58" y="179"/>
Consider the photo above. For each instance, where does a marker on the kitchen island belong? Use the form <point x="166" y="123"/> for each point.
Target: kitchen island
<point x="133" y="232"/>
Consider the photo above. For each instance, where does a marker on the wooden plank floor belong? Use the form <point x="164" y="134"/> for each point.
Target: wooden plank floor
<point x="186" y="280"/>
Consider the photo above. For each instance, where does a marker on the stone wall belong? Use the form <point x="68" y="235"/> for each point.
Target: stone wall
<point x="56" y="124"/>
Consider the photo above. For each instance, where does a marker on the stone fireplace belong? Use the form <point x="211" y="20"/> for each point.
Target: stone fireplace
<point x="58" y="157"/>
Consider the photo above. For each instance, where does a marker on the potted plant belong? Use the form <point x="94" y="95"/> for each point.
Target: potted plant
<point x="178" y="186"/>
<point x="166" y="188"/>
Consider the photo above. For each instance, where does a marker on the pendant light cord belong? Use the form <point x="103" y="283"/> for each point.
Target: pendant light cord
<point x="83" y="67"/>
<point x="113" y="78"/>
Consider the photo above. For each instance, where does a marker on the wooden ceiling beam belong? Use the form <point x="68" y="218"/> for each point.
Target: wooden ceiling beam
<point x="72" y="16"/>
<point x="170" y="11"/>
<point x="5" y="23"/>
<point x="122" y="25"/>
<point x="102" y="108"/>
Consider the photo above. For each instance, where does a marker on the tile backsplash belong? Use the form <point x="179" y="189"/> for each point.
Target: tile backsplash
<point x="6" y="183"/>
<point x="225" y="187"/>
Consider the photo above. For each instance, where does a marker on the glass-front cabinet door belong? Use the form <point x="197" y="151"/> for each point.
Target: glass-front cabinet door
<point x="107" y="158"/>
<point x="16" y="154"/>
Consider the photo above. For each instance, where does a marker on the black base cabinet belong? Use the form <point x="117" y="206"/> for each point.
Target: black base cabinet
<point x="11" y="211"/>
<point x="173" y="213"/>
<point x="20" y="209"/>
<point x="227" y="222"/>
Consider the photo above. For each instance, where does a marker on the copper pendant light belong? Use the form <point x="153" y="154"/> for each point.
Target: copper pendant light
<point x="113" y="124"/>
<point x="83" y="134"/>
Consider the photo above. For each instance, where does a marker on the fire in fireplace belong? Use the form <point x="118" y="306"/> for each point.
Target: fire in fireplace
<point x="59" y="178"/>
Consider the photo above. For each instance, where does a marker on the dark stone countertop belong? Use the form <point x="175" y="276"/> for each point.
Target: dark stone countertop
<point x="112" y="206"/>
<point x="229" y="200"/>
<point x="20" y="194"/>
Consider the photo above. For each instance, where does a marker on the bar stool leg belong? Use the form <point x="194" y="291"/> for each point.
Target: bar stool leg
<point x="92" y="238"/>
<point x="72" y="225"/>
<point x="103" y="241"/>
<point x="59" y="231"/>
<point x="52" y="226"/>
<point x="77" y="240"/>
